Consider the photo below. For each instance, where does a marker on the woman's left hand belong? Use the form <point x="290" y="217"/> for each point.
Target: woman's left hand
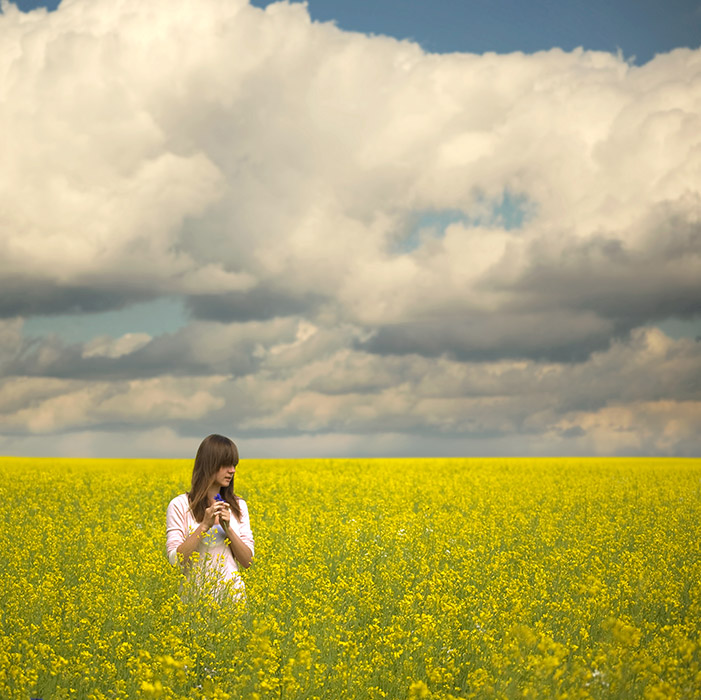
<point x="224" y="517"/>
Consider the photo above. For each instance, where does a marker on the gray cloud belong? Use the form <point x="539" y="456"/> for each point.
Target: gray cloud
<point x="642" y="393"/>
<point x="556" y="336"/>
<point x="23" y="296"/>
<point x="360" y="393"/>
<point x="260" y="303"/>
<point x="630" y="284"/>
<point x="201" y="348"/>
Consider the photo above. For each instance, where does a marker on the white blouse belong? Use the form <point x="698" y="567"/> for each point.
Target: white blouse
<point x="215" y="563"/>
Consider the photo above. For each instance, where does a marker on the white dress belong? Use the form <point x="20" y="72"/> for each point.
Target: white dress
<point x="212" y="566"/>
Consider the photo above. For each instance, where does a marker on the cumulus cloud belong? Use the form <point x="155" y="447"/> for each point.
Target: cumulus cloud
<point x="270" y="171"/>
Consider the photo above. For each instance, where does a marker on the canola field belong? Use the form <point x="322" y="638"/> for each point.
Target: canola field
<point x="400" y="579"/>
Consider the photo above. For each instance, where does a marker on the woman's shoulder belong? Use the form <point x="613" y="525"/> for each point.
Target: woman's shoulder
<point x="180" y="502"/>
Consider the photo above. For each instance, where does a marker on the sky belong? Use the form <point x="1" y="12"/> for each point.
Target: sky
<point x="389" y="228"/>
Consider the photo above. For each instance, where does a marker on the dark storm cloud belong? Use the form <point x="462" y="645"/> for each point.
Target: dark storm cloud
<point x="201" y="349"/>
<point x="21" y="296"/>
<point x="258" y="304"/>
<point x="53" y="358"/>
<point x="537" y="336"/>
<point x="631" y="285"/>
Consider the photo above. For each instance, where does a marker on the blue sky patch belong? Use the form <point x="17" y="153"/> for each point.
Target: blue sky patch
<point x="681" y="328"/>
<point x="157" y="317"/>
<point x="509" y="213"/>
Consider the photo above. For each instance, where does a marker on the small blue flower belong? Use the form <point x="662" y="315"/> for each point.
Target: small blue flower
<point x="219" y="527"/>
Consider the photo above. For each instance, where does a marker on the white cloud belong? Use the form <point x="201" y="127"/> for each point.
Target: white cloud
<point x="265" y="147"/>
<point x="650" y="427"/>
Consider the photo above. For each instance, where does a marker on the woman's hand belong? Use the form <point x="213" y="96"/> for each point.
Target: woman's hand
<point x="224" y="515"/>
<point x="210" y="515"/>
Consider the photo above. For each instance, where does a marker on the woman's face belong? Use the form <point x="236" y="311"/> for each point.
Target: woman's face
<point x="225" y="475"/>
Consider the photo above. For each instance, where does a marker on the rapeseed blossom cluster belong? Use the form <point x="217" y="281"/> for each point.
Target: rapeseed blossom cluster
<point x="405" y="579"/>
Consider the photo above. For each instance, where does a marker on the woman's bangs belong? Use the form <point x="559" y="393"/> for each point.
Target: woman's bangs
<point x="229" y="454"/>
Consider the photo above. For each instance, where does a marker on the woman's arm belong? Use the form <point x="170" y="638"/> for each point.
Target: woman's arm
<point x="176" y="529"/>
<point x="177" y="539"/>
<point x="190" y="544"/>
<point x="241" y="552"/>
<point x="241" y="546"/>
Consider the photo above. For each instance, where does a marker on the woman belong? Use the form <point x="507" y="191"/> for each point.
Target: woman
<point x="207" y="529"/>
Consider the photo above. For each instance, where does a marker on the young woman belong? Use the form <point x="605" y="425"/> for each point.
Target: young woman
<point x="207" y="529"/>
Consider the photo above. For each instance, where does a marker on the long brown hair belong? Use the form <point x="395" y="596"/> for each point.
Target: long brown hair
<point x="214" y="452"/>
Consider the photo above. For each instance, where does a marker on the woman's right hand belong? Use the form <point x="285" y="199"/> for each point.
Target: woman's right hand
<point x="210" y="516"/>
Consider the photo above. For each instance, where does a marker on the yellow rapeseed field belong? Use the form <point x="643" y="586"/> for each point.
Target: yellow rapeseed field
<point x="404" y="578"/>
